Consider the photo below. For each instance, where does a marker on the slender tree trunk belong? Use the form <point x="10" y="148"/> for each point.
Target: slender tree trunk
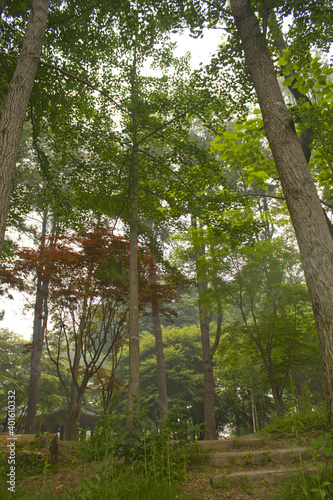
<point x="312" y="232"/>
<point x="277" y="394"/>
<point x="133" y="395"/>
<point x="16" y="103"/>
<point x="161" y="378"/>
<point x="299" y="384"/>
<point x="209" y="396"/>
<point x="253" y="411"/>
<point x="39" y="327"/>
<point x="204" y="317"/>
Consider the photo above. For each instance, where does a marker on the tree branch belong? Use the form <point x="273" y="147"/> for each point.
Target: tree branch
<point x="166" y="124"/>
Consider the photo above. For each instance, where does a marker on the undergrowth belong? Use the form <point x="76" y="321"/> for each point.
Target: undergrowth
<point x="305" y="422"/>
<point x="143" y="463"/>
<point x="315" y="479"/>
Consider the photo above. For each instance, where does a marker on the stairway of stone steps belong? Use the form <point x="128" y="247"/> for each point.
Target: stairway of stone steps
<point x="254" y="459"/>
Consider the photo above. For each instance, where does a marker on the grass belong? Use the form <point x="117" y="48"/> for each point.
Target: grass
<point x="304" y="423"/>
<point x="308" y="485"/>
<point x="157" y="466"/>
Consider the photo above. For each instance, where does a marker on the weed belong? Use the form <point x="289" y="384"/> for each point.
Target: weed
<point x="158" y="452"/>
<point x="247" y="457"/>
<point x="312" y="486"/>
<point x="128" y="487"/>
<point x="267" y="458"/>
<point x="236" y="443"/>
<point x="305" y="421"/>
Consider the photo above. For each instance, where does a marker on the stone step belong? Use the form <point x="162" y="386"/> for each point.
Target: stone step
<point x="229" y="444"/>
<point x="255" y="477"/>
<point x="258" y="457"/>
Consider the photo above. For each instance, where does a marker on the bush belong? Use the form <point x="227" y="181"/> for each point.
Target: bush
<point x="162" y="453"/>
<point x="305" y="421"/>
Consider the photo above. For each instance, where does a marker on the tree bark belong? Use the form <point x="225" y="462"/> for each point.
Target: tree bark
<point x="312" y="232"/>
<point x="39" y="327"/>
<point x="74" y="403"/>
<point x="208" y="374"/>
<point x="16" y="103"/>
<point x="133" y="394"/>
<point x="161" y="378"/>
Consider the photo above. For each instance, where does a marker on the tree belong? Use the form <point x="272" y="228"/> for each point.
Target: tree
<point x="313" y="236"/>
<point x="163" y="290"/>
<point x="267" y="289"/>
<point x="16" y="103"/>
<point x="14" y="375"/>
<point x="88" y="300"/>
<point x="13" y="366"/>
<point x="39" y="328"/>
<point x="183" y="368"/>
<point x="207" y="349"/>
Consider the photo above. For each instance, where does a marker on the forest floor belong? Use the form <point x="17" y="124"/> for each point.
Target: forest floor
<point x="35" y="479"/>
<point x="199" y="480"/>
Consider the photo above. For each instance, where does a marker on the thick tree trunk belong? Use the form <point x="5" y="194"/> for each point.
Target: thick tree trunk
<point x="74" y="401"/>
<point x="133" y="394"/>
<point x="312" y="232"/>
<point x="161" y="378"/>
<point x="16" y="104"/>
<point x="74" y="409"/>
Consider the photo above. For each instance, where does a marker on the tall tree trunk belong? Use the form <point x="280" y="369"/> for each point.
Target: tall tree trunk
<point x="254" y="412"/>
<point x="204" y="318"/>
<point x="299" y="384"/>
<point x="39" y="327"/>
<point x="16" y="103"/>
<point x="161" y="378"/>
<point x="133" y="395"/>
<point x="312" y="232"/>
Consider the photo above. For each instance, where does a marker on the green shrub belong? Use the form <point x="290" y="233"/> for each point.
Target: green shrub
<point x="157" y="452"/>
<point x="305" y="421"/>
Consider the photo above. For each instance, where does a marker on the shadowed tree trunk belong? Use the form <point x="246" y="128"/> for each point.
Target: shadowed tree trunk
<point x="161" y="378"/>
<point x="40" y="325"/>
<point x="312" y="232"/>
<point x="204" y="318"/>
<point x="16" y="103"/>
<point x="133" y="323"/>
